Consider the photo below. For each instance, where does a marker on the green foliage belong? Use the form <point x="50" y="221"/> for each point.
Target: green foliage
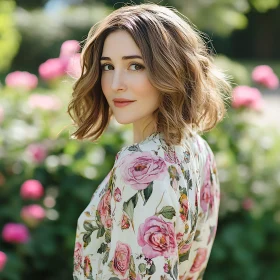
<point x="43" y="33"/>
<point x="247" y="240"/>
<point x="70" y="174"/>
<point x="264" y="6"/>
<point x="9" y="35"/>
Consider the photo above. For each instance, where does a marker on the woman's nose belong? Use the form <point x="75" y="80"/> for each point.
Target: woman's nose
<point x="118" y="81"/>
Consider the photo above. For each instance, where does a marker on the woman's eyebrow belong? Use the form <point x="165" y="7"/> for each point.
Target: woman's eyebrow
<point x="123" y="58"/>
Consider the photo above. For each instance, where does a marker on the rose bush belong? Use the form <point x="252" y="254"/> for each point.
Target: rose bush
<point x="46" y="178"/>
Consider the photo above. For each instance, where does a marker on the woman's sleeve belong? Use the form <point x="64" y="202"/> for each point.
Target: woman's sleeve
<point x="149" y="218"/>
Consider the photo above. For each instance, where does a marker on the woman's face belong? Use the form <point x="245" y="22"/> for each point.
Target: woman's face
<point x="127" y="78"/>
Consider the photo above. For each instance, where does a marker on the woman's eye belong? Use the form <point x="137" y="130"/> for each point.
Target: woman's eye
<point x="104" y="65"/>
<point x="138" y="67"/>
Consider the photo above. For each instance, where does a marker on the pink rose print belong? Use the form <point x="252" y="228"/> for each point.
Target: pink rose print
<point x="179" y="236"/>
<point x="117" y="195"/>
<point x="199" y="259"/>
<point x="121" y="258"/>
<point x="140" y="169"/>
<point x="184" y="203"/>
<point x="207" y="195"/>
<point x="171" y="157"/>
<point x="125" y="222"/>
<point x="157" y="238"/>
<point x="87" y="267"/>
<point x="184" y="248"/>
<point x="165" y="268"/>
<point x="104" y="209"/>
<point x="78" y="255"/>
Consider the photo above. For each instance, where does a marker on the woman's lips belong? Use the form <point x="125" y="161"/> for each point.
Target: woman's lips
<point x="122" y="104"/>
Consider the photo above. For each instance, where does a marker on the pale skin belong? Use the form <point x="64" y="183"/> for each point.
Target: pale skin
<point x="127" y="78"/>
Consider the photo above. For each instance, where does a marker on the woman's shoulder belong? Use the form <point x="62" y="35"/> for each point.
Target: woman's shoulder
<point x="155" y="145"/>
<point x="151" y="144"/>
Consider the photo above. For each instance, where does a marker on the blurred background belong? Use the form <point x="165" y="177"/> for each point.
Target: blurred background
<point x="47" y="179"/>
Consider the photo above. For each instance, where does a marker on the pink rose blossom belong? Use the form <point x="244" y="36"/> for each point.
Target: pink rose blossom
<point x="45" y="102"/>
<point x="32" y="214"/>
<point x="184" y="248"/>
<point x="121" y="259"/>
<point x="21" y="79"/>
<point x="207" y="194"/>
<point x="87" y="267"/>
<point x="125" y="222"/>
<point x="37" y="152"/>
<point x="74" y="68"/>
<point x="245" y="96"/>
<point x="15" y="233"/>
<point x="78" y="255"/>
<point x="31" y="189"/>
<point x="184" y="203"/>
<point x="69" y="47"/>
<point x="2" y="114"/>
<point x="53" y="68"/>
<point x="263" y="74"/>
<point x="117" y="195"/>
<point x="179" y="236"/>
<point x="171" y="157"/>
<point x="104" y="209"/>
<point x="3" y="260"/>
<point x="200" y="258"/>
<point x="157" y="238"/>
<point x="140" y="169"/>
<point x="248" y="203"/>
<point x="166" y="268"/>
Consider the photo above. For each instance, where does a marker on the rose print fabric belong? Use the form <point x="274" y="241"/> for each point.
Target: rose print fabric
<point x="153" y="217"/>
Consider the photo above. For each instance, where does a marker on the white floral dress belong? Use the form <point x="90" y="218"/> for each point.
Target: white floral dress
<point x="153" y="217"/>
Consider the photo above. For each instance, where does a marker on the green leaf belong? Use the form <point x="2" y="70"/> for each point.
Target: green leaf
<point x="100" y="232"/>
<point x="106" y="256"/>
<point x="87" y="239"/>
<point x="151" y="270"/>
<point x="108" y="236"/>
<point x="98" y="219"/>
<point x="103" y="247"/>
<point x="148" y="192"/>
<point x="128" y="206"/>
<point x="168" y="212"/>
<point x="142" y="267"/>
<point x="184" y="257"/>
<point x="175" y="270"/>
<point x="88" y="226"/>
<point x="131" y="264"/>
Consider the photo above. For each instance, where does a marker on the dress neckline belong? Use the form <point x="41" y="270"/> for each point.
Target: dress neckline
<point x="148" y="138"/>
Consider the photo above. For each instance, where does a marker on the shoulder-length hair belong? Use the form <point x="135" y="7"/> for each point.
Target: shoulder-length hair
<point x="192" y="89"/>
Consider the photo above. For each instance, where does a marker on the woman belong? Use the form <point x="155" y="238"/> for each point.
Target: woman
<point x="155" y="214"/>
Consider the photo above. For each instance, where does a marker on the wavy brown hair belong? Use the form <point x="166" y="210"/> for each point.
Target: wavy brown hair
<point x="193" y="91"/>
